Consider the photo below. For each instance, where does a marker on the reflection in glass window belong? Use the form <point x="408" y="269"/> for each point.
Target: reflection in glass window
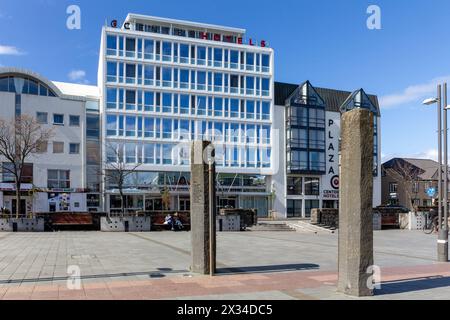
<point x="184" y="53"/>
<point x="130" y="126"/>
<point x="149" y="153"/>
<point x="111" y="125"/>
<point x="111" y="45"/>
<point x="130" y="153"/>
<point x="265" y="112"/>
<point x="167" y="154"/>
<point x="201" y="55"/>
<point x="111" y="71"/>
<point x="167" y="102"/>
<point x="201" y="105"/>
<point x="184" y="104"/>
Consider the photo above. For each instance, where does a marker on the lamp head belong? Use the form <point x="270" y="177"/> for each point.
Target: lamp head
<point x="430" y="101"/>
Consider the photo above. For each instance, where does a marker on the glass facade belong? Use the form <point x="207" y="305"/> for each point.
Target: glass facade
<point x="162" y="93"/>
<point x="24" y="85"/>
<point x="305" y="131"/>
<point x="179" y="91"/>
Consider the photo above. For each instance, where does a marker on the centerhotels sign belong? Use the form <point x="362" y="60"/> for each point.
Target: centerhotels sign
<point x="206" y="36"/>
<point x="330" y="183"/>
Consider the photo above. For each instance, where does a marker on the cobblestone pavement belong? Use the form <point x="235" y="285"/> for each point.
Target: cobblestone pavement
<point x="252" y="265"/>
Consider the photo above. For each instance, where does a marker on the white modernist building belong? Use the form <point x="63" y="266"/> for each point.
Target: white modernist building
<point x="165" y="83"/>
<point x="309" y="119"/>
<point x="55" y="179"/>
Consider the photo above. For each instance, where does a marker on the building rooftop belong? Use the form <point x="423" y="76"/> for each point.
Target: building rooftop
<point x="159" y="20"/>
<point x="428" y="168"/>
<point x="333" y="98"/>
<point x="81" y="90"/>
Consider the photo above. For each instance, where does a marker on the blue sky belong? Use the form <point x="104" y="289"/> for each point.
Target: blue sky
<point x="324" y="41"/>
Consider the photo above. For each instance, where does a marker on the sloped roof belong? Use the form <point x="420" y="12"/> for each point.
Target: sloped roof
<point x="428" y="168"/>
<point x="333" y="98"/>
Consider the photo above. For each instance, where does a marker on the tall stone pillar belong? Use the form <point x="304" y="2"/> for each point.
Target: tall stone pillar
<point x="356" y="201"/>
<point x="202" y="236"/>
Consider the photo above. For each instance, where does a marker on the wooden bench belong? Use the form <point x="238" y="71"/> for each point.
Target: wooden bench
<point x="158" y="220"/>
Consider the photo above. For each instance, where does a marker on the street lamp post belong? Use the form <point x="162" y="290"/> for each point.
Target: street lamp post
<point x="442" y="200"/>
<point x="443" y="226"/>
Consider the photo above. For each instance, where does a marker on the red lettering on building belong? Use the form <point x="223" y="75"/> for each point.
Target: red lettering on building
<point x="216" y="37"/>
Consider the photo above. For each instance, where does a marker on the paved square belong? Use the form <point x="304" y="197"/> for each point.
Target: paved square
<point x="252" y="265"/>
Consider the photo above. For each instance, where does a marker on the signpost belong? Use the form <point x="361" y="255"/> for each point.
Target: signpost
<point x="431" y="192"/>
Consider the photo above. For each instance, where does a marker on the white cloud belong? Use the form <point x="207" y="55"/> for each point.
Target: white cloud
<point x="10" y="51"/>
<point x="413" y="94"/>
<point x="78" y="76"/>
<point x="427" y="154"/>
<point x="5" y="16"/>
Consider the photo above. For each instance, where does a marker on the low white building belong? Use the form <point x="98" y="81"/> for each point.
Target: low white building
<point x="308" y="120"/>
<point x="56" y="177"/>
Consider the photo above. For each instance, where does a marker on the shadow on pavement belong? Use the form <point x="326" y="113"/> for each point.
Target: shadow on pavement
<point x="416" y="284"/>
<point x="265" y="269"/>
<point x="158" y="273"/>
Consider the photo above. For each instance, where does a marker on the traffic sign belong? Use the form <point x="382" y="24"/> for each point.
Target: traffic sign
<point x="431" y="192"/>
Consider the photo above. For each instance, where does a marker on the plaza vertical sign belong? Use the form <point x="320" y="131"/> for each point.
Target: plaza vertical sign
<point x="330" y="183"/>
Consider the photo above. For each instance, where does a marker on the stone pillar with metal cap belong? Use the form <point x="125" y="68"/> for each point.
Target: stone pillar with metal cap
<point x="356" y="203"/>
<point x="202" y="191"/>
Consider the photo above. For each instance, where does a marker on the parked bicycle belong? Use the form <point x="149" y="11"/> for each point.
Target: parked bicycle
<point x="431" y="224"/>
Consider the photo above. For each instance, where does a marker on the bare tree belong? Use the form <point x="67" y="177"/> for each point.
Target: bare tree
<point x="407" y="177"/>
<point x="20" y="138"/>
<point x="117" y="171"/>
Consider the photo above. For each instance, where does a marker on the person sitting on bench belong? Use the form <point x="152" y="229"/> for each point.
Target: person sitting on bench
<point x="168" y="221"/>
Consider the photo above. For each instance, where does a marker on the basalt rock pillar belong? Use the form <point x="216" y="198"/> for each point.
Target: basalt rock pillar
<point x="203" y="236"/>
<point x="356" y="203"/>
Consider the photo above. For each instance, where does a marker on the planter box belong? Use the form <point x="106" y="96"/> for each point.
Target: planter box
<point x="126" y="224"/>
<point x="228" y="223"/>
<point x="22" y="225"/>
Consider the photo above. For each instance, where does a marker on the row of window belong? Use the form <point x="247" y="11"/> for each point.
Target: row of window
<point x="306" y="161"/>
<point x="415" y="188"/>
<point x="173" y="154"/>
<point x="150" y="101"/>
<point x="295" y="208"/>
<point x="58" y="179"/>
<point x="58" y="147"/>
<point x="55" y="178"/>
<point x="306" y="139"/>
<point x="182" y="129"/>
<point x="183" y="53"/>
<point x="297" y="186"/>
<point x="25" y="86"/>
<point x="168" y="77"/>
<point x="57" y="119"/>
<point x="306" y="117"/>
